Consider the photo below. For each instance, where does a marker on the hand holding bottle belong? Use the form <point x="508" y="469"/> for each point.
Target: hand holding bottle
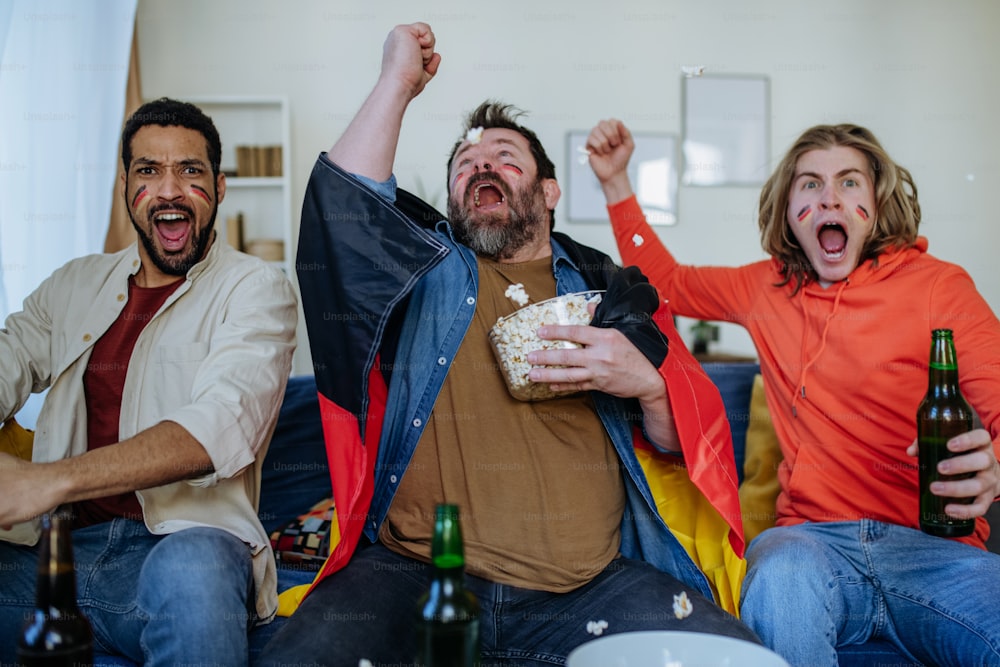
<point x="956" y="462"/>
<point x="975" y="454"/>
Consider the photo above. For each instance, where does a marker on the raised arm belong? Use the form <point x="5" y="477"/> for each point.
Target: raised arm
<point x="610" y="144"/>
<point x="368" y="145"/>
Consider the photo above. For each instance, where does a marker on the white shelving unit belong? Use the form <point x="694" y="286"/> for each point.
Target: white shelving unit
<point x="265" y="202"/>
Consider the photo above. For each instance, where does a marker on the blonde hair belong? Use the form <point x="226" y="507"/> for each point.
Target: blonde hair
<point x="896" y="215"/>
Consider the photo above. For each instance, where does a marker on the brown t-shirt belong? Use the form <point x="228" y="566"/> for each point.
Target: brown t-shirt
<point x="538" y="484"/>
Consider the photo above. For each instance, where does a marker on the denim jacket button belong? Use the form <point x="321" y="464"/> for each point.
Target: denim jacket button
<point x="470" y="300"/>
<point x="417" y="422"/>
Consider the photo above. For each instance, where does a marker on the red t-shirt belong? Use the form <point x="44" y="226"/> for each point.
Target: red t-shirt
<point x="104" y="383"/>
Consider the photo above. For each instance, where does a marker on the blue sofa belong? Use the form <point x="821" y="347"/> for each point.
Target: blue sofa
<point x="295" y="477"/>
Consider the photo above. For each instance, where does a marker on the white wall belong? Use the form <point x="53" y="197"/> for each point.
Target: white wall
<point x="922" y="74"/>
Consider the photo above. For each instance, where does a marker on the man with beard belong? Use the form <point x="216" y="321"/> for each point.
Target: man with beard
<point x="561" y="522"/>
<point x="165" y="366"/>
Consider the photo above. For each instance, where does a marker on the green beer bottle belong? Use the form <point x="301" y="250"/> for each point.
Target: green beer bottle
<point x="448" y="614"/>
<point x="57" y="634"/>
<point x="942" y="415"/>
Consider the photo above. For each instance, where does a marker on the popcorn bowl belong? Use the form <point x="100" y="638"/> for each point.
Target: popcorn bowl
<point x="664" y="648"/>
<point x="515" y="335"/>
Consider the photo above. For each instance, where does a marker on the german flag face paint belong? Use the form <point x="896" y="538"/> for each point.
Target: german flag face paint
<point x="830" y="204"/>
<point x="140" y="194"/>
<point x="201" y="193"/>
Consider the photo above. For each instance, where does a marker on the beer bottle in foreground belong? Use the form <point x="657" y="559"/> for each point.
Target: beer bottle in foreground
<point x="57" y="633"/>
<point x="448" y="614"/>
<point x="942" y="415"/>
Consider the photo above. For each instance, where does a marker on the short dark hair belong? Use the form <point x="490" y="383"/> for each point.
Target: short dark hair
<point x="493" y="114"/>
<point x="166" y="112"/>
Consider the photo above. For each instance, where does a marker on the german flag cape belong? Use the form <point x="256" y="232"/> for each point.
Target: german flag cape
<point x="351" y="329"/>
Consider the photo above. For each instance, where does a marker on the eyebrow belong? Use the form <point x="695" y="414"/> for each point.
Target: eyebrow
<point x="186" y="162"/>
<point x="839" y="174"/>
<point x="498" y="140"/>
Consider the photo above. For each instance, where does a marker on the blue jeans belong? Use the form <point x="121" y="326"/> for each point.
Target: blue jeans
<point x="368" y="611"/>
<point x="183" y="598"/>
<point x="813" y="587"/>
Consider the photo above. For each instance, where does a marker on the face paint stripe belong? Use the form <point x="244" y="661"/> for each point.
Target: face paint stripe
<point x="201" y="192"/>
<point x="804" y="212"/>
<point x="862" y="212"/>
<point x="139" y="196"/>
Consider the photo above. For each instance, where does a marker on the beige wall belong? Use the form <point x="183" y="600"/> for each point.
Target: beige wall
<point x="922" y="74"/>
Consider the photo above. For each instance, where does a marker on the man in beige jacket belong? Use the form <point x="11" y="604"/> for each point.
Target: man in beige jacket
<point x="165" y="366"/>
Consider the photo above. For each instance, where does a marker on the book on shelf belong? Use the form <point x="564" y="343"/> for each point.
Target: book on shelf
<point x="234" y="231"/>
<point x="258" y="161"/>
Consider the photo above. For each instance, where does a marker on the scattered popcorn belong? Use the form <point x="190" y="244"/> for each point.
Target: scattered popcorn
<point x="474" y="135"/>
<point x="638" y="240"/>
<point x="517" y="294"/>
<point x="515" y="335"/>
<point x="596" y="628"/>
<point x="693" y="70"/>
<point x="682" y="605"/>
<point x="365" y="662"/>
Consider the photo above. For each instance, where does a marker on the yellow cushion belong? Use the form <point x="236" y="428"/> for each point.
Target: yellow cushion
<point x="759" y="491"/>
<point x="16" y="440"/>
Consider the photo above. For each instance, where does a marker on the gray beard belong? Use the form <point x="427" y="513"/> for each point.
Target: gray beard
<point x="500" y="237"/>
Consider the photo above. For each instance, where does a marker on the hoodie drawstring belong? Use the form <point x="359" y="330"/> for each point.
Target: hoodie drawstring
<point x="801" y="392"/>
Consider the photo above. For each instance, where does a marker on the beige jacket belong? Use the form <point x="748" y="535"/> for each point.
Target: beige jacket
<point x="214" y="359"/>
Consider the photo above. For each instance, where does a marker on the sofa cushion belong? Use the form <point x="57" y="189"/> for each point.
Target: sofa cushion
<point x="304" y="542"/>
<point x="759" y="490"/>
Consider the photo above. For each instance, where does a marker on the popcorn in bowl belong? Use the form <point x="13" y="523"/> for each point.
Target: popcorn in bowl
<point x="515" y="335"/>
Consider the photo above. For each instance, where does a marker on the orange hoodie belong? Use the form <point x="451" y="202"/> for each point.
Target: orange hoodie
<point x="844" y="368"/>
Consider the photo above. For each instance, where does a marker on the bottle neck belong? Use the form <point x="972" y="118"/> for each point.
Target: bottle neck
<point x="56" y="589"/>
<point x="942" y="375"/>
<point x="447" y="549"/>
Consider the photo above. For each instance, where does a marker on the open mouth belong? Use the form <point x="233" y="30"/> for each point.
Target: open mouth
<point x="487" y="196"/>
<point x="832" y="239"/>
<point x="173" y="229"/>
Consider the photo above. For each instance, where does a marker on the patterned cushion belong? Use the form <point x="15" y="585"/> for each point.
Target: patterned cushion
<point x="304" y="542"/>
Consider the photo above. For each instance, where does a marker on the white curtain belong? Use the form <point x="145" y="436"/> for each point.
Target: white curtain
<point x="63" y="72"/>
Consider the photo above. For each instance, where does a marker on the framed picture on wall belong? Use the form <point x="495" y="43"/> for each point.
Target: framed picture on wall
<point x="654" y="171"/>
<point x="727" y="130"/>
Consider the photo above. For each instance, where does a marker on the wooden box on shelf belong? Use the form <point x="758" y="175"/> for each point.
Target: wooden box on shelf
<point x="255" y="133"/>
